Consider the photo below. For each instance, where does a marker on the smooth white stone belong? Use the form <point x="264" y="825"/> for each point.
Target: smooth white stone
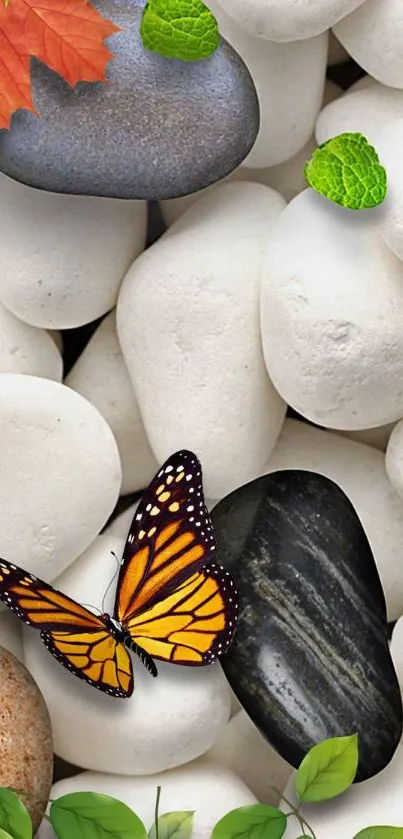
<point x="373" y="36"/>
<point x="289" y="101"/>
<point x="389" y="148"/>
<point x="168" y="721"/>
<point x="360" y="471"/>
<point x="362" y="84"/>
<point x="208" y="790"/>
<point x="331" y="315"/>
<point x="378" y="801"/>
<point x="11" y="634"/>
<point x="243" y="750"/>
<point x="60" y="474"/>
<point x="336" y="52"/>
<point x="396" y="650"/>
<point x="286" y="20"/>
<point x="100" y="376"/>
<point x="287" y="178"/>
<point x="26" y="349"/>
<point x="394" y="458"/>
<point x="377" y="437"/>
<point x="188" y="325"/>
<point x="367" y="110"/>
<point x="63" y="257"/>
<point x="57" y="338"/>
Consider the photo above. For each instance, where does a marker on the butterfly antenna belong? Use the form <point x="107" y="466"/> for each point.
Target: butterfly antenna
<point x="93" y="608"/>
<point x="113" y="578"/>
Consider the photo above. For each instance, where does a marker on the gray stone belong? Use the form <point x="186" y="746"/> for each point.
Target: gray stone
<point x="310" y="656"/>
<point x="161" y="127"/>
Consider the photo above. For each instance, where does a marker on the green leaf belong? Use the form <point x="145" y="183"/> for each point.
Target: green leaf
<point x="380" y="832"/>
<point x="251" y="822"/>
<point x="5" y="835"/>
<point x="14" y="816"/>
<point x="89" y="814"/>
<point x="183" y="29"/>
<point x="346" y="170"/>
<point x="176" y="825"/>
<point x="328" y="769"/>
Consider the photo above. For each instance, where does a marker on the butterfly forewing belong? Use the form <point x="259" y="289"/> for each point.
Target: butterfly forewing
<point x="74" y="635"/>
<point x="193" y="625"/>
<point x="171" y="537"/>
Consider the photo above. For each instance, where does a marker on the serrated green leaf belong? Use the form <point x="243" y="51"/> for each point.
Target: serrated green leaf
<point x="251" y="822"/>
<point x="14" y="816"/>
<point x="176" y="825"/>
<point x="346" y="170"/>
<point x="380" y="832"/>
<point x="89" y="814"/>
<point x="183" y="29"/>
<point x="328" y="769"/>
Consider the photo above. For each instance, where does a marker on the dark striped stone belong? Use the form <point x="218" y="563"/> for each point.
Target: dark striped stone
<point x="310" y="659"/>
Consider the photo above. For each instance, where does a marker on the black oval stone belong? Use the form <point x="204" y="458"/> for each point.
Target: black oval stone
<point x="310" y="658"/>
<point x="160" y="127"/>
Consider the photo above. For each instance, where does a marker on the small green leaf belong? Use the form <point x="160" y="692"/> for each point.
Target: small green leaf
<point x="346" y="170"/>
<point x="380" y="832"/>
<point x="176" y="825"/>
<point x="328" y="769"/>
<point x="251" y="822"/>
<point x="14" y="816"/>
<point x="183" y="29"/>
<point x="86" y="814"/>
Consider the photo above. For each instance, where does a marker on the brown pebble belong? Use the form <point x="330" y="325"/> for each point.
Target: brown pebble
<point x="26" y="753"/>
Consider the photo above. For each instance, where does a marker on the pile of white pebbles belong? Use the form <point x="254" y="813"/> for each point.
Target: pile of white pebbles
<point x="260" y="296"/>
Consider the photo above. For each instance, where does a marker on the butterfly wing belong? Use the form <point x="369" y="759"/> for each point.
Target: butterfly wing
<point x="74" y="635"/>
<point x="171" y="537"/>
<point x="194" y="624"/>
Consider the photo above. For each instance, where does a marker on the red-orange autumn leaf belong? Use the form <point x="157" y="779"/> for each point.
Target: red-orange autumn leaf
<point x="67" y="35"/>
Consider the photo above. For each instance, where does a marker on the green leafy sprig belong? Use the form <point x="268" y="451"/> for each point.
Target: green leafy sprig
<point x="326" y="771"/>
<point x="184" y="29"/>
<point x="346" y="170"/>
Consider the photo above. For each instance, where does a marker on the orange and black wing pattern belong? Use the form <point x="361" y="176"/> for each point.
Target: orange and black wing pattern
<point x="170" y="538"/>
<point x="74" y="635"/>
<point x="173" y="599"/>
<point x="195" y="624"/>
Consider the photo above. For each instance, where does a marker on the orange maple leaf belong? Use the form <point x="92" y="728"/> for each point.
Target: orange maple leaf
<point x="67" y="35"/>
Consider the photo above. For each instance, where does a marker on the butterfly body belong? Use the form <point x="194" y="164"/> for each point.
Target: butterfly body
<point x="173" y="602"/>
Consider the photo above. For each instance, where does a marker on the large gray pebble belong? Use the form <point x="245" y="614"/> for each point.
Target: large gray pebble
<point x="159" y="129"/>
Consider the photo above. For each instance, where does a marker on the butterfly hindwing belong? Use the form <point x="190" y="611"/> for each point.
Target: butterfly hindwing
<point x="95" y="657"/>
<point x="193" y="625"/>
<point x="74" y="635"/>
<point x="171" y="537"/>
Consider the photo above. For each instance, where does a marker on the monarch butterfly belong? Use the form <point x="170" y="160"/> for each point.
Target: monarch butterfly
<point x="172" y="601"/>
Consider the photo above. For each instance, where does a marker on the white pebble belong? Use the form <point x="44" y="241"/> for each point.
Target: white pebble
<point x="26" y="349"/>
<point x="367" y="110"/>
<point x="373" y="36"/>
<point x="188" y="325"/>
<point x="396" y="651"/>
<point x="332" y="309"/>
<point x="63" y="257"/>
<point x="389" y="147"/>
<point x="60" y="474"/>
<point x="360" y="471"/>
<point x="289" y="100"/>
<point x="287" y="178"/>
<point x="242" y="749"/>
<point x="210" y="791"/>
<point x="378" y="801"/>
<point x="100" y="375"/>
<point x="394" y="458"/>
<point x="168" y="721"/>
<point x="377" y="437"/>
<point x="286" y="20"/>
<point x="11" y="634"/>
<point x="120" y="525"/>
